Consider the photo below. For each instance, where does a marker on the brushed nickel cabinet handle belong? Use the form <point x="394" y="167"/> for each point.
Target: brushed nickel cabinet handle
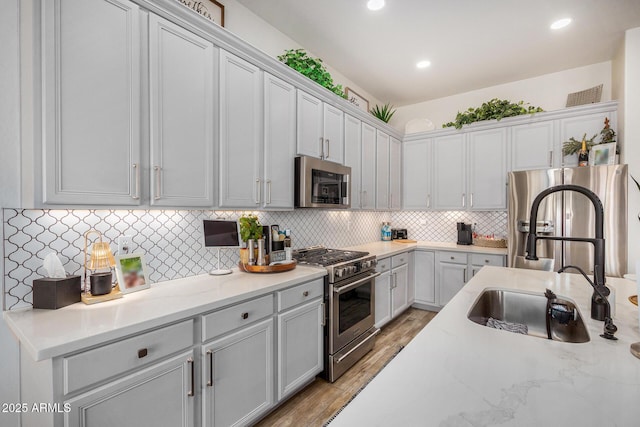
<point x="158" y="171"/>
<point x="268" y="191"/>
<point x="321" y="147"/>
<point x="258" y="191"/>
<point x="136" y="193"/>
<point x="428" y="200"/>
<point x="471" y="200"/>
<point x="323" y="322"/>
<point x="551" y="158"/>
<point x="210" y="356"/>
<point x="328" y="143"/>
<point x="193" y="377"/>
<point x="245" y="316"/>
<point x="464" y="201"/>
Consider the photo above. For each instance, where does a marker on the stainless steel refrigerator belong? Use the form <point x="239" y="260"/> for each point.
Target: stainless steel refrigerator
<point x="569" y="214"/>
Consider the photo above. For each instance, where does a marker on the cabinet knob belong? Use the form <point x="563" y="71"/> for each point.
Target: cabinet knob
<point x="142" y="353"/>
<point x="245" y="315"/>
<point x="305" y="294"/>
<point x="453" y="257"/>
<point x="486" y="261"/>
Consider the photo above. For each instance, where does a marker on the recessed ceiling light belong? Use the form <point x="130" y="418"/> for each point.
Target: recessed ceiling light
<point x="423" y="64"/>
<point x="375" y="4"/>
<point x="560" y="23"/>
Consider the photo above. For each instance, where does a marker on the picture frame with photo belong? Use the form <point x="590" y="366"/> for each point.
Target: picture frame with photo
<point x="131" y="271"/>
<point x="602" y="154"/>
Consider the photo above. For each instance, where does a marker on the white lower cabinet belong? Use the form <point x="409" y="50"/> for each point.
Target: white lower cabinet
<point x="300" y="346"/>
<point x="161" y="395"/>
<point x="399" y="290"/>
<point x="392" y="293"/>
<point x="451" y="278"/>
<point x="424" y="277"/>
<point x="238" y="385"/>
<point x="383" y="293"/>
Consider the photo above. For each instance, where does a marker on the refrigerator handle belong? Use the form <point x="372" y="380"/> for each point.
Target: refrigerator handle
<point x="550" y="158"/>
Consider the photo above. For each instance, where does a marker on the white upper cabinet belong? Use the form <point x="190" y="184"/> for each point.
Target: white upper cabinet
<point x="181" y="93"/>
<point x="395" y="174"/>
<point x="449" y="172"/>
<point x="353" y="157"/>
<point x="240" y="132"/>
<point x="577" y="127"/>
<point x="532" y="146"/>
<point x="91" y="102"/>
<point x="416" y="174"/>
<point x="368" y="183"/>
<point x="310" y="126"/>
<point x="333" y="134"/>
<point x="487" y="160"/>
<point x="279" y="142"/>
<point x="382" y="170"/>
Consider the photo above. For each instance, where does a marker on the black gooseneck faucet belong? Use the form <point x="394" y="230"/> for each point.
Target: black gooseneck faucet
<point x="600" y="309"/>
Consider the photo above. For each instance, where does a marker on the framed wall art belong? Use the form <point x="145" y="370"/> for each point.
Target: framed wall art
<point x="210" y="9"/>
<point x="357" y="100"/>
<point x="603" y="154"/>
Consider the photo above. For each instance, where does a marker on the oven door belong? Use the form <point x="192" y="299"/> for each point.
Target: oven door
<point x="321" y="184"/>
<point x="352" y="310"/>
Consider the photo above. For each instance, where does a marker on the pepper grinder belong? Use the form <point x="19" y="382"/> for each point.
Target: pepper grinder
<point x="251" y="247"/>
<point x="261" y="257"/>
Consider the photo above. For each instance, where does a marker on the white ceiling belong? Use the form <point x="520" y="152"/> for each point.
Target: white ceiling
<point x="471" y="43"/>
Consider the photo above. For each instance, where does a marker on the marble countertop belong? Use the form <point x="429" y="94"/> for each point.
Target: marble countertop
<point x="458" y="373"/>
<point x="49" y="333"/>
<point x="385" y="249"/>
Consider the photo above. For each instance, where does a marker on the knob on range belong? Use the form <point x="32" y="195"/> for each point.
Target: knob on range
<point x="339" y="272"/>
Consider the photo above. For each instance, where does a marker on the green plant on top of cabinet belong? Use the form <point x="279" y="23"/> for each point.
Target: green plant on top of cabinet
<point x="310" y="67"/>
<point x="320" y="129"/>
<point x="91" y="94"/>
<point x="181" y="82"/>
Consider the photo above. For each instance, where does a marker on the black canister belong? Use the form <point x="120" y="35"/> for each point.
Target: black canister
<point x="100" y="283"/>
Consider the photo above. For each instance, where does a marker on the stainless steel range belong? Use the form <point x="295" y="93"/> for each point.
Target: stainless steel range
<point x="350" y="301"/>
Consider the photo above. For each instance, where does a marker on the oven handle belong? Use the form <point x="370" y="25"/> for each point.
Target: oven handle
<point x="355" y="284"/>
<point x="344" y="356"/>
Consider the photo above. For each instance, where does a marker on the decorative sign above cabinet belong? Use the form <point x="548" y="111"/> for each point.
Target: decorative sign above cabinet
<point x="357" y="100"/>
<point x="210" y="9"/>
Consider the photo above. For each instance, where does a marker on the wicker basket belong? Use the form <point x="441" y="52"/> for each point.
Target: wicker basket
<point x="490" y="243"/>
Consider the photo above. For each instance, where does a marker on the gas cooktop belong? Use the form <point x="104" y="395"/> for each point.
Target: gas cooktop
<point x="319" y="255"/>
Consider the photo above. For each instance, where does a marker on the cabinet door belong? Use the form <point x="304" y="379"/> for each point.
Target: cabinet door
<point x="411" y="287"/>
<point x="309" y="118"/>
<point x="532" y="146"/>
<point x="300" y="346"/>
<point x="238" y="376"/>
<point x="161" y="395"/>
<point x="240" y="133"/>
<point x="425" y="280"/>
<point x="451" y="278"/>
<point x="487" y="160"/>
<point x="416" y="174"/>
<point x="333" y="134"/>
<point x="383" y="299"/>
<point x="395" y="174"/>
<point x="91" y="102"/>
<point x="353" y="157"/>
<point x="449" y="175"/>
<point x="399" y="294"/>
<point x="368" y="185"/>
<point x="181" y="94"/>
<point x="576" y="127"/>
<point x="279" y="142"/>
<point x="382" y="170"/>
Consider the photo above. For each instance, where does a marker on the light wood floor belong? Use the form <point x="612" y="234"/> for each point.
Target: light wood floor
<point x="316" y="404"/>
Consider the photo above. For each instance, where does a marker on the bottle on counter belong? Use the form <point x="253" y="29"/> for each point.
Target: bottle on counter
<point x="287" y="238"/>
<point x="385" y="232"/>
<point x="583" y="154"/>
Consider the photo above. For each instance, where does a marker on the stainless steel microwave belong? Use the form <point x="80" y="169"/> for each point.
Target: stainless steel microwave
<point x="322" y="184"/>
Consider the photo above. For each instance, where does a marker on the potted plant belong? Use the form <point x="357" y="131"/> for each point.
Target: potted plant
<point x="250" y="228"/>
<point x="384" y="112"/>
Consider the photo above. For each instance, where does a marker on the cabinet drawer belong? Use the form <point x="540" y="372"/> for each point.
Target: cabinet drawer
<point x="228" y="319"/>
<point x="400" y="259"/>
<point x="453" y="257"/>
<point x="299" y="294"/>
<point x="107" y="361"/>
<point x="384" y="264"/>
<point x="483" y="259"/>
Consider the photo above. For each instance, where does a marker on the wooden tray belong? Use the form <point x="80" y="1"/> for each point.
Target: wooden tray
<point x="404" y="241"/>
<point x="267" y="268"/>
<point x="634" y="299"/>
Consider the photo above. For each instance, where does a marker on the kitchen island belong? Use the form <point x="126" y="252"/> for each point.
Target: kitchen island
<point x="459" y="373"/>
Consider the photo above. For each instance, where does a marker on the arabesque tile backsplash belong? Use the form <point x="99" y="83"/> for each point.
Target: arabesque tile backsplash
<point x="172" y="239"/>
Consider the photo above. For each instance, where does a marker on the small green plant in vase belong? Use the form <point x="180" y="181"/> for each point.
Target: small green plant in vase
<point x="250" y="228"/>
<point x="384" y="112"/>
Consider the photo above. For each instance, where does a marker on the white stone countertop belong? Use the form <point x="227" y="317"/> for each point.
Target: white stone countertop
<point x="385" y="249"/>
<point x="49" y="333"/>
<point x="458" y="373"/>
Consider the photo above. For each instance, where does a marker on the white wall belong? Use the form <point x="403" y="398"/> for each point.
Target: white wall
<point x="548" y="91"/>
<point x="250" y="27"/>
<point x="631" y="132"/>
<point x="9" y="158"/>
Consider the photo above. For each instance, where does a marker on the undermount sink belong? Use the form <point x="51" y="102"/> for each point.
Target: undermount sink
<point x="523" y="308"/>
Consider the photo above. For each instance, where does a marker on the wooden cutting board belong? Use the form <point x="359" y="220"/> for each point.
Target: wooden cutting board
<point x="405" y="241"/>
